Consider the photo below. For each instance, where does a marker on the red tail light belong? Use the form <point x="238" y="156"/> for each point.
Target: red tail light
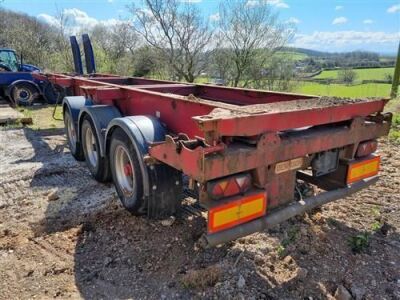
<point x="229" y="186"/>
<point x="366" y="148"/>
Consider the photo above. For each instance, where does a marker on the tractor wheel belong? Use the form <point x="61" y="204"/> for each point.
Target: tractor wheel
<point x="72" y="137"/>
<point x="97" y="164"/>
<point x="126" y="173"/>
<point x="24" y="94"/>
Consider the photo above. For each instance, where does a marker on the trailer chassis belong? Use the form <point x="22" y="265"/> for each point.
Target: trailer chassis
<point x="219" y="135"/>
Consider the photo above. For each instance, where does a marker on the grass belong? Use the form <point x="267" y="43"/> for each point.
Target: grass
<point x="394" y="133"/>
<point x="394" y="107"/>
<point x="202" y="79"/>
<point x="42" y="117"/>
<point x="360" y="242"/>
<point x="295" y="56"/>
<point x="291" y="236"/>
<point x="340" y="90"/>
<point x="362" y="74"/>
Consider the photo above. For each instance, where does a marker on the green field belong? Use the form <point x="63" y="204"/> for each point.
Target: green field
<point x="291" y="55"/>
<point x="362" y="74"/>
<point x="339" y="90"/>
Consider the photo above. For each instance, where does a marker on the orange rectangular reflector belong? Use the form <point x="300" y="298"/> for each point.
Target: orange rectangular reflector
<point x="363" y="169"/>
<point x="237" y="212"/>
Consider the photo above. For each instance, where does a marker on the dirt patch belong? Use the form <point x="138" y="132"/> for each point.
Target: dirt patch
<point x="80" y="242"/>
<point x="201" y="278"/>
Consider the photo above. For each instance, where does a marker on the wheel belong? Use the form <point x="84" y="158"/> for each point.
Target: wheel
<point x="126" y="173"/>
<point x="24" y="94"/>
<point x="97" y="165"/>
<point x="72" y="139"/>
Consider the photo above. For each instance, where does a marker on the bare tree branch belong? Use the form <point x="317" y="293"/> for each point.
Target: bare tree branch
<point x="178" y="33"/>
<point x="244" y="30"/>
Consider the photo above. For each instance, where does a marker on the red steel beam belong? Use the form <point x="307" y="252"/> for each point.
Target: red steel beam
<point x="253" y="124"/>
<point x="271" y="148"/>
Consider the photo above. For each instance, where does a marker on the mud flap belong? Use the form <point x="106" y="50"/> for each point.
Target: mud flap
<point x="165" y="195"/>
<point x="162" y="184"/>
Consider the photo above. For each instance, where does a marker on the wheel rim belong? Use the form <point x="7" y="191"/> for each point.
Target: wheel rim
<point x="124" y="171"/>
<point x="90" y="145"/>
<point x="71" y="132"/>
<point x="24" y="95"/>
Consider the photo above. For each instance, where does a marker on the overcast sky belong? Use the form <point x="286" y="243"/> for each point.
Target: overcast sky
<point x="321" y="24"/>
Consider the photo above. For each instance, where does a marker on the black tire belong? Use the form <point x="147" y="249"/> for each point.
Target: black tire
<point x="24" y="94"/>
<point x="97" y="165"/>
<point x="133" y="200"/>
<point x="72" y="138"/>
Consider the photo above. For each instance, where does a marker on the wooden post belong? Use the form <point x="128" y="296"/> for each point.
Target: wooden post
<point x="396" y="76"/>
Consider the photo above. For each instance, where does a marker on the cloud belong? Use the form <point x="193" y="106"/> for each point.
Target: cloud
<point x="393" y="9"/>
<point x="338" y="7"/>
<point x="339" y="20"/>
<point x="76" y="20"/>
<point x="252" y="3"/>
<point x="276" y="3"/>
<point x="215" y="17"/>
<point x="48" y="19"/>
<point x="293" y="20"/>
<point x="110" y="1"/>
<point x="368" y="21"/>
<point x="335" y="40"/>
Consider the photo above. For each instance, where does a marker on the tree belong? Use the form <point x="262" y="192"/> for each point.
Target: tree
<point x="245" y="30"/>
<point x="178" y="33"/>
<point x="347" y="75"/>
<point x="220" y="66"/>
<point x="147" y="63"/>
<point x="115" y="46"/>
<point x="28" y="36"/>
<point x="388" y="77"/>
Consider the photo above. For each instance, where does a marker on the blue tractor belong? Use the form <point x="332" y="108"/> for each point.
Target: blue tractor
<point x="17" y="83"/>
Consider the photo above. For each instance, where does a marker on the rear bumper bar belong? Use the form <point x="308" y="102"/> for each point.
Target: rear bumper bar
<point x="281" y="215"/>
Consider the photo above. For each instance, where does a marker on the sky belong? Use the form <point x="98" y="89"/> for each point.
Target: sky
<point x="326" y="25"/>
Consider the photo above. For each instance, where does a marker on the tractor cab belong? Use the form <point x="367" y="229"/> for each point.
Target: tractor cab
<point x="9" y="62"/>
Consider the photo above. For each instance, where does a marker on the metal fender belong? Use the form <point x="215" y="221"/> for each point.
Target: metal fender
<point x="74" y="104"/>
<point x="101" y="116"/>
<point x="12" y="85"/>
<point x="142" y="130"/>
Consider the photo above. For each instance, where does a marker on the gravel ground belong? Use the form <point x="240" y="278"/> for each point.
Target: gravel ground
<point x="63" y="235"/>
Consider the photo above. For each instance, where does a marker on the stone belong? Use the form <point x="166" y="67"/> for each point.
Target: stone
<point x="342" y="293"/>
<point x="168" y="222"/>
<point x="302" y="273"/>
<point x="241" y="283"/>
<point x="52" y="196"/>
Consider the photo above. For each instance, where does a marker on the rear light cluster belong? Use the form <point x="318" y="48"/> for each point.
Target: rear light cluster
<point x="229" y="186"/>
<point x="366" y="148"/>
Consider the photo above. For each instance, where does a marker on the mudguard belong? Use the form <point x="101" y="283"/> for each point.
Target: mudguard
<point x="101" y="116"/>
<point x="162" y="184"/>
<point x="12" y="85"/>
<point x="142" y="130"/>
<point x="74" y="104"/>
